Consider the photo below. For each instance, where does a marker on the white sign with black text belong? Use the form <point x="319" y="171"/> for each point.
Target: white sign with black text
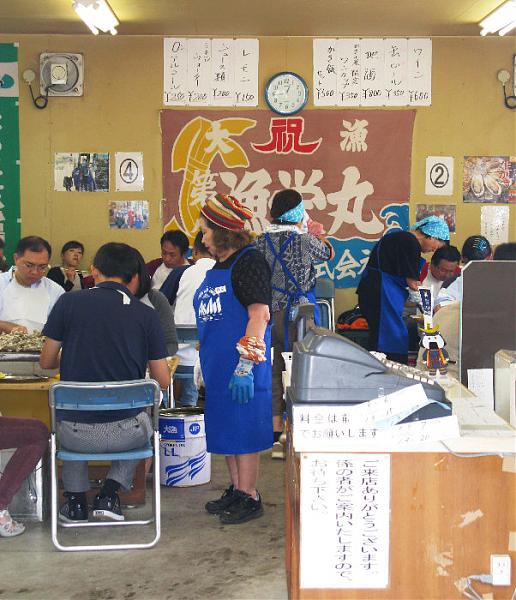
<point x="344" y="514"/>
<point x="439" y="176"/>
<point x="129" y="171"/>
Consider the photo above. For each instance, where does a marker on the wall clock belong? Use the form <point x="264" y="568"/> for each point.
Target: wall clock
<point x="286" y="93"/>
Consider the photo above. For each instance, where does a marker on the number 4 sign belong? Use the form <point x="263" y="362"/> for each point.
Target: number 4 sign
<point x="129" y="171"/>
<point x="439" y="176"/>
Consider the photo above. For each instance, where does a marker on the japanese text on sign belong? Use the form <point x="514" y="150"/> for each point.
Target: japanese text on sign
<point x="344" y="507"/>
<point x="204" y="72"/>
<point x="372" y="72"/>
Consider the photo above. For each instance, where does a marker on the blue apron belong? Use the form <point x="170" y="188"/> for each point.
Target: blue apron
<point x="231" y="428"/>
<point x="392" y="331"/>
<point x="292" y="297"/>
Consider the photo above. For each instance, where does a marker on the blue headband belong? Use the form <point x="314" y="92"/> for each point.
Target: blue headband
<point x="434" y="227"/>
<point x="294" y="215"/>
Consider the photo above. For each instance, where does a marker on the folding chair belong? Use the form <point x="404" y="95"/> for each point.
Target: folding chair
<point x="325" y="296"/>
<point x="185" y="335"/>
<point x="141" y="393"/>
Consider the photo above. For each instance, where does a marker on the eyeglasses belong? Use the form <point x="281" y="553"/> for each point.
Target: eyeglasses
<point x="32" y="267"/>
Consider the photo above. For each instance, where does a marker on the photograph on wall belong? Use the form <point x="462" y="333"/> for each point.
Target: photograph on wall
<point x="512" y="174"/>
<point x="336" y="160"/>
<point x="444" y="211"/>
<point x="486" y="179"/>
<point x="129" y="215"/>
<point x="81" y="172"/>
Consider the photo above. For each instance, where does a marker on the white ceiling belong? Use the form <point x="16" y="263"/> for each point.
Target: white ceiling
<point x="328" y="18"/>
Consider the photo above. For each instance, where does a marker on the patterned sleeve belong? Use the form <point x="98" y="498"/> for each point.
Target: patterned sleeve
<point x="316" y="248"/>
<point x="251" y="279"/>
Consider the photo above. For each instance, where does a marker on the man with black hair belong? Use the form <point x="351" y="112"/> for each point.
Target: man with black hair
<point x="443" y="265"/>
<point x="174" y="248"/>
<point x="26" y="296"/>
<point x="106" y="334"/>
<point x="476" y="247"/>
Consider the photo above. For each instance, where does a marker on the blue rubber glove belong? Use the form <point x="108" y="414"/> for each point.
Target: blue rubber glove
<point x="241" y="383"/>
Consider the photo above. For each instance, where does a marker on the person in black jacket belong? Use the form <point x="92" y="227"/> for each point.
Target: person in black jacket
<point x="68" y="276"/>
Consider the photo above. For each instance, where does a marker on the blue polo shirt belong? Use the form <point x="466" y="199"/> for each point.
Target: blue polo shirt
<point x="107" y="334"/>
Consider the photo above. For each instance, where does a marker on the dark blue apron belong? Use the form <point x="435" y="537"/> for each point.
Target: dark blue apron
<point x="292" y="297"/>
<point x="231" y="428"/>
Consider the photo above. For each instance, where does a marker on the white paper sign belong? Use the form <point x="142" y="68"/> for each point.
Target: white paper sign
<point x="439" y="176"/>
<point x="129" y="171"/>
<point x="222" y="73"/>
<point x="480" y="382"/>
<point x="325" y="72"/>
<point x="247" y="56"/>
<point x="348" y="72"/>
<point x="419" y="72"/>
<point x="175" y="69"/>
<point x="372" y="72"/>
<point x="205" y="72"/>
<point x="395" y="52"/>
<point x="344" y="514"/>
<point x="494" y="224"/>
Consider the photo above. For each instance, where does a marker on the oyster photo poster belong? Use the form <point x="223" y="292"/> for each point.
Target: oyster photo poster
<point x="352" y="179"/>
<point x="486" y="179"/>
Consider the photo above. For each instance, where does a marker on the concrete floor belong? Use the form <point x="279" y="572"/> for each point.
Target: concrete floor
<point x="196" y="558"/>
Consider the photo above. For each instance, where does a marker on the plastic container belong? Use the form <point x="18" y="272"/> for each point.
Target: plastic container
<point x="184" y="460"/>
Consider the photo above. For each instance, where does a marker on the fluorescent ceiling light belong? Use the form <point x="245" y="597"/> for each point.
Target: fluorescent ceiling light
<point x="501" y="20"/>
<point x="97" y="15"/>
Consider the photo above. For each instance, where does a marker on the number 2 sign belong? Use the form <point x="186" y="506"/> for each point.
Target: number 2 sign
<point x="439" y="176"/>
<point x="129" y="171"/>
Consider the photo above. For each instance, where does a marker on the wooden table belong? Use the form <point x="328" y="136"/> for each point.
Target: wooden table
<point x="447" y="514"/>
<point x="22" y="399"/>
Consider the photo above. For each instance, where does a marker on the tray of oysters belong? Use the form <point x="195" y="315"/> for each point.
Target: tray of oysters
<point x="21" y="343"/>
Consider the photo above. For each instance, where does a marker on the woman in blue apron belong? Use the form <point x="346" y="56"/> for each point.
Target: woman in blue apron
<point x="393" y="268"/>
<point x="232" y="313"/>
<point x="291" y="253"/>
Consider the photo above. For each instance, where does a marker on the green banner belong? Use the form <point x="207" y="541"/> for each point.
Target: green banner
<point x="9" y="148"/>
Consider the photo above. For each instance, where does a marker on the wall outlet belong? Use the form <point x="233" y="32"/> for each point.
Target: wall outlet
<point x="501" y="569"/>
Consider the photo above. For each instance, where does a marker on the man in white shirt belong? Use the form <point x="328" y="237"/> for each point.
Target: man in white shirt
<point x="26" y="296"/>
<point x="184" y="315"/>
<point x="174" y="248"/>
<point x="476" y="247"/>
<point x="443" y="265"/>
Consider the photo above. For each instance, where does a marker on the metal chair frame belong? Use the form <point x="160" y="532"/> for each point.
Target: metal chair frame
<point x="89" y="396"/>
<point x="325" y="296"/>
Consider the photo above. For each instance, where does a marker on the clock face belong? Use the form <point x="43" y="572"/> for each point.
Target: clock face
<point x="286" y="93"/>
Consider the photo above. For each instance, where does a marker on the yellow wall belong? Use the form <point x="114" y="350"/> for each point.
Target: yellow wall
<point x="120" y="112"/>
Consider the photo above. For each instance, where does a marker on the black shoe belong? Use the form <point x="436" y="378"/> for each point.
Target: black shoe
<point x="243" y="509"/>
<point x="107" y="508"/>
<point x="75" y="510"/>
<point x="215" y="507"/>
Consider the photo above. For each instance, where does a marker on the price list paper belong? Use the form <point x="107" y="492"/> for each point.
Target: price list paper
<point x="206" y="72"/>
<point x="344" y="510"/>
<point x="372" y="72"/>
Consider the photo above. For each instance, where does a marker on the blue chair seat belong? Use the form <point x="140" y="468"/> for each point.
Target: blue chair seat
<point x="138" y="453"/>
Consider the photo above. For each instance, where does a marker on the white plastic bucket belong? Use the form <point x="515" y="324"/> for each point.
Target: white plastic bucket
<point x="184" y="460"/>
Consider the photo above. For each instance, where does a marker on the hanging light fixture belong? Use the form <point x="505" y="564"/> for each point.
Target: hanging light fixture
<point x="97" y="15"/>
<point x="501" y="20"/>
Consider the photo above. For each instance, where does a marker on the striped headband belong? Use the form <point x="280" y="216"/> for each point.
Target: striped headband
<point x="226" y="212"/>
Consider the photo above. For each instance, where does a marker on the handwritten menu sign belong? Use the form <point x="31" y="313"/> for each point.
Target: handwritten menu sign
<point x="205" y="72"/>
<point x="344" y="510"/>
<point x="372" y="72"/>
